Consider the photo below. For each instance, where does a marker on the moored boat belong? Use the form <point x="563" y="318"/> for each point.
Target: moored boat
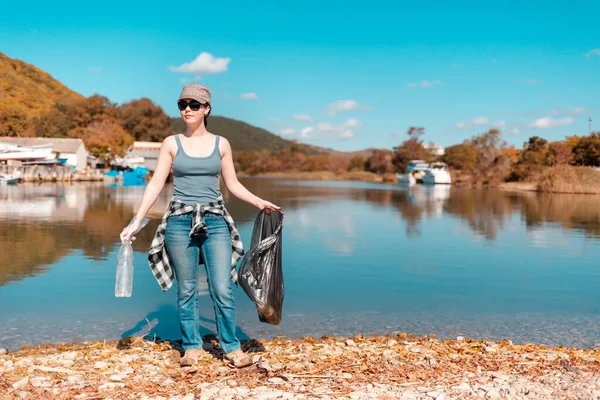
<point x="437" y="174"/>
<point x="414" y="173"/>
<point x="9" y="179"/>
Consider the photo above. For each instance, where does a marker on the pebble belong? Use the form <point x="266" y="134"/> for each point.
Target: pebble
<point x="462" y="386"/>
<point x="111" y="386"/>
<point x="269" y="394"/>
<point x="40" y="381"/>
<point x="231" y="383"/>
<point x="3" y="351"/>
<point x="100" y="365"/>
<point x="221" y="370"/>
<point x="20" y="384"/>
<point x="350" y="342"/>
<point x="75" y="380"/>
<point x="276" y="381"/>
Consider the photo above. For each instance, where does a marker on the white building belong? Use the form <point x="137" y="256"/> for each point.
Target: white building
<point x="71" y="149"/>
<point x="434" y="149"/>
<point x="148" y="150"/>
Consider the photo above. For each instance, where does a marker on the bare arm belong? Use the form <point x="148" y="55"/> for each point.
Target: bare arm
<point x="232" y="182"/>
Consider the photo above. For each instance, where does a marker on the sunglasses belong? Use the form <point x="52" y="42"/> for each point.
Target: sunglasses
<point x="195" y="105"/>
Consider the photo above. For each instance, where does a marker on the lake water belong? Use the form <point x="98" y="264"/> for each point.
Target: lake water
<point x="357" y="258"/>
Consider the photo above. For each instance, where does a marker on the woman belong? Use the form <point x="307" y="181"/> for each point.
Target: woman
<point x="197" y="226"/>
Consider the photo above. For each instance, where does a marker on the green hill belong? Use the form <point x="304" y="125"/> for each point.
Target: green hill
<point x="241" y="135"/>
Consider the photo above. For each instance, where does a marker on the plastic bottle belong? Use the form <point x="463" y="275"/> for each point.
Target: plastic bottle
<point x="124" y="278"/>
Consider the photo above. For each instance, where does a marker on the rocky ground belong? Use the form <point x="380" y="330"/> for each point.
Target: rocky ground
<point x="385" y="367"/>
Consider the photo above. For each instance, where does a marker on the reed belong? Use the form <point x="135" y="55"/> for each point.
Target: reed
<point x="569" y="179"/>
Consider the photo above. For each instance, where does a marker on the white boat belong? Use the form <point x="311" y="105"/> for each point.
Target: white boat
<point x="437" y="174"/>
<point x="414" y="173"/>
<point x="9" y="179"/>
<point x="12" y="152"/>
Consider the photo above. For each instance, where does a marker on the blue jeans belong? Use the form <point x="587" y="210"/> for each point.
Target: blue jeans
<point x="184" y="253"/>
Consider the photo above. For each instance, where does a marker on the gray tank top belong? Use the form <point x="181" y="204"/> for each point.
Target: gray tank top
<point x="196" y="179"/>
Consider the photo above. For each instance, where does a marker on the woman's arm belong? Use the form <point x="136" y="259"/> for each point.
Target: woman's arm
<point x="155" y="186"/>
<point x="232" y="182"/>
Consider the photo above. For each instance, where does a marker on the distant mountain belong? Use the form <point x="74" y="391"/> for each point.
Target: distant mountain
<point x="241" y="135"/>
<point x="27" y="91"/>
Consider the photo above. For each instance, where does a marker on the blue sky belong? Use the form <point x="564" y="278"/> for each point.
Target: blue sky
<point x="340" y="74"/>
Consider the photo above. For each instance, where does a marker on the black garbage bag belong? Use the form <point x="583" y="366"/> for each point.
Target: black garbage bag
<point x="260" y="273"/>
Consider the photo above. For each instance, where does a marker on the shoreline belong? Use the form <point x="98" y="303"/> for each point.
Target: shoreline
<point x="393" y="366"/>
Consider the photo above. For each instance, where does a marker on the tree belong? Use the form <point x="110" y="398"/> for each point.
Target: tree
<point x="105" y="138"/>
<point x="380" y="162"/>
<point x="14" y="122"/>
<point x="587" y="150"/>
<point x="559" y="153"/>
<point x="410" y="149"/>
<point x="145" y="120"/>
<point x="461" y="156"/>
<point x="491" y="160"/>
<point x="357" y="163"/>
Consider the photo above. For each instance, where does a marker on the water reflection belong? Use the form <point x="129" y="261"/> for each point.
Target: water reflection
<point x="40" y="224"/>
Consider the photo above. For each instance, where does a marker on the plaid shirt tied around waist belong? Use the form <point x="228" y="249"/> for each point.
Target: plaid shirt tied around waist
<point x="158" y="257"/>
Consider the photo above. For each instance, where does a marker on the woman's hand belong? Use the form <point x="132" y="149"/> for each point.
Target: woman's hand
<point x="262" y="204"/>
<point x="129" y="231"/>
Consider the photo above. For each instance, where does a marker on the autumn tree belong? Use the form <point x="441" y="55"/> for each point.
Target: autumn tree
<point x="461" y="156"/>
<point x="410" y="149"/>
<point x="357" y="163"/>
<point x="587" y="150"/>
<point x="68" y="114"/>
<point x="15" y="123"/>
<point x="492" y="162"/>
<point x="559" y="153"/>
<point x="144" y="120"/>
<point x="105" y="138"/>
<point x="380" y="162"/>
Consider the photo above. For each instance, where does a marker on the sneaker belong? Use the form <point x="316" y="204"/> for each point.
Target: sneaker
<point x="191" y="357"/>
<point x="237" y="359"/>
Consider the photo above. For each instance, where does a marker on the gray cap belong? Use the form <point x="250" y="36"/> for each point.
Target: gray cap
<point x="195" y="91"/>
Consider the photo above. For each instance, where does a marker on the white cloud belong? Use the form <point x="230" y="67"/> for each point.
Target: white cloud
<point x="183" y="80"/>
<point x="287" y="132"/>
<point x="515" y="131"/>
<point x="342" y="106"/>
<point x="205" y="63"/>
<point x="353" y="123"/>
<point x="577" y="110"/>
<point x="593" y="52"/>
<point x="329" y="131"/>
<point x="96" y="70"/>
<point x="424" y="84"/>
<point x="273" y="121"/>
<point x="530" y="82"/>
<point x="306" y="131"/>
<point x="547" y="122"/>
<point x="499" y="124"/>
<point x="302" y="117"/>
<point x="482" y="120"/>
<point x="249" y="96"/>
